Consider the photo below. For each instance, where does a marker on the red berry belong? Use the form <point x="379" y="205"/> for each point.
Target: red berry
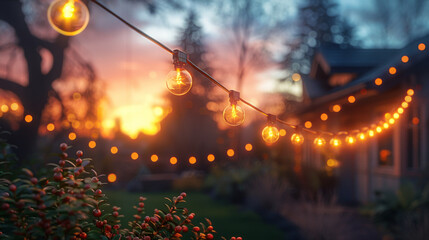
<point x="191" y="216"/>
<point x="62" y="163"/>
<point x="83" y="235"/>
<point x="185" y="229"/>
<point x="209" y="236"/>
<point x="116" y="226"/>
<point x="58" y="176"/>
<point x="99" y="224"/>
<point x="210" y="228"/>
<point x="12" y="188"/>
<point x="239" y="238"/>
<point x="108" y="228"/>
<point x="64" y="156"/>
<point x="183" y="194"/>
<point x="78" y="161"/>
<point x="146" y="238"/>
<point x="63" y="146"/>
<point x="98" y="192"/>
<point x="34" y="180"/>
<point x="5" y="206"/>
<point x="179" y="198"/>
<point x="115" y="208"/>
<point x="178" y="229"/>
<point x="141" y="204"/>
<point x="233" y="238"/>
<point x="96" y="212"/>
<point x="147" y="219"/>
<point x="94" y="179"/>
<point x="196" y="229"/>
<point x="58" y="169"/>
<point x="115" y="214"/>
<point x="79" y="153"/>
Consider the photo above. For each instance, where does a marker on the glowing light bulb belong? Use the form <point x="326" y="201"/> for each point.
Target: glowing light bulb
<point x="68" y="17"/>
<point x="319" y="141"/>
<point x="350" y="139"/>
<point x="270" y="134"/>
<point x="396" y="115"/>
<point x="233" y="114"/>
<point x="361" y="136"/>
<point x="179" y="81"/>
<point x="335" y="142"/>
<point x="371" y="133"/>
<point x="297" y="139"/>
<point x="379" y="129"/>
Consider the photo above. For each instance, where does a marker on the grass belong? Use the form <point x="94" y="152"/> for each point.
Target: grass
<point x="228" y="220"/>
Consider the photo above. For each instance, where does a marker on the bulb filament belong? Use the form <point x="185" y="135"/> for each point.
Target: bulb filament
<point x="69" y="9"/>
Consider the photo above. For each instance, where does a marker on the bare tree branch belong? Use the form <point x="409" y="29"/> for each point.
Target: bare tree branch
<point x="12" y="86"/>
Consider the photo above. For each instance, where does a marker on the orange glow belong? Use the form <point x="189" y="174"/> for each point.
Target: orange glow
<point x="336" y="108"/>
<point x="296" y="77"/>
<point x="332" y="163"/>
<point x="396" y="115"/>
<point x="68" y="17"/>
<point x="410" y="92"/>
<point x="192" y="160"/>
<point x="335" y="142"/>
<point x="28" y="118"/>
<point x="416" y="120"/>
<point x="248" y="147"/>
<point x="92" y="144"/>
<point x="351" y="99"/>
<point x="405" y="59"/>
<point x="154" y="158"/>
<point x="378" y="81"/>
<point x="230" y="152"/>
<point x="282" y="132"/>
<point x="114" y="150"/>
<point x="270" y="134"/>
<point x="4" y="108"/>
<point x="179" y="82"/>
<point x="173" y="160"/>
<point x="319" y="141"/>
<point x="89" y="124"/>
<point x="76" y="96"/>
<point x="75" y="124"/>
<point x="371" y="133"/>
<point x="134" y="156"/>
<point x="210" y="157"/>
<point x="233" y="115"/>
<point x="297" y="139"/>
<point x="111" y="177"/>
<point x="72" y="136"/>
<point x="324" y="116"/>
<point x="308" y="124"/>
<point x="350" y="139"/>
<point x="392" y="70"/>
<point x="378" y="129"/>
<point x="387" y="115"/>
<point x="400" y="110"/>
<point x="50" y="127"/>
<point x="422" y="46"/>
<point x="391" y="121"/>
<point x="361" y="136"/>
<point x="404" y="104"/>
<point x="14" y="106"/>
<point x="386" y="125"/>
<point x="408" y="99"/>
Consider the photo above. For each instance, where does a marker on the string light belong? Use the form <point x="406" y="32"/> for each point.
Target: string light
<point x="192" y="160"/>
<point x="371" y="133"/>
<point x="111" y="177"/>
<point x="28" y="118"/>
<point x="405" y="59"/>
<point x="308" y="124"/>
<point x="50" y="127"/>
<point x="408" y="99"/>
<point x="72" y="136"/>
<point x="173" y="160"/>
<point x="134" y="156"/>
<point x="378" y="81"/>
<point x="378" y="129"/>
<point x="92" y="144"/>
<point x="179" y="81"/>
<point x="297" y="138"/>
<point x="233" y="114"/>
<point x="270" y="133"/>
<point x="154" y="158"/>
<point x="14" y="106"/>
<point x="210" y="158"/>
<point x="391" y="121"/>
<point x="396" y="115"/>
<point x="4" y="108"/>
<point x="248" y="147"/>
<point x="230" y="152"/>
<point x="282" y="132"/>
<point x="319" y="141"/>
<point x="386" y="125"/>
<point x="68" y="17"/>
<point x="350" y="139"/>
<point x="335" y="142"/>
<point x="361" y="136"/>
<point x="114" y="150"/>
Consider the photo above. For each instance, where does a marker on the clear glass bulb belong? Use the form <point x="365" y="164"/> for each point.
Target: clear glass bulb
<point x="350" y="139"/>
<point x="233" y="115"/>
<point x="68" y="17"/>
<point x="297" y="139"/>
<point x="319" y="141"/>
<point x="270" y="134"/>
<point x="335" y="142"/>
<point x="179" y="82"/>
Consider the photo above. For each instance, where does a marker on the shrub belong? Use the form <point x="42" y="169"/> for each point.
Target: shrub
<point x="68" y="203"/>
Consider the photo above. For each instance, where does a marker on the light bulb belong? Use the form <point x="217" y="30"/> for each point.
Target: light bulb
<point x="68" y="17"/>
<point x="335" y="142"/>
<point x="297" y="139"/>
<point x="361" y="136"/>
<point x="350" y="139"/>
<point x="319" y="141"/>
<point x="371" y="133"/>
<point x="233" y="115"/>
<point x="179" y="82"/>
<point x="270" y="134"/>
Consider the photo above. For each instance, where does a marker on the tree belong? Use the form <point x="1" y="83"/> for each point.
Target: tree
<point x="186" y="129"/>
<point x="318" y="25"/>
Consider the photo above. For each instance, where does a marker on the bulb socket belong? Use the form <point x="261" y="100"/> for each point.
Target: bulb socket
<point x="234" y="97"/>
<point x="180" y="59"/>
<point x="271" y="119"/>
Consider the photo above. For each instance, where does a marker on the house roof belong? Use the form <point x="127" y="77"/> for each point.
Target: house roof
<point x="322" y="96"/>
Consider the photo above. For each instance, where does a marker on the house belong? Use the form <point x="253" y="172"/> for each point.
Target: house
<point x="342" y="84"/>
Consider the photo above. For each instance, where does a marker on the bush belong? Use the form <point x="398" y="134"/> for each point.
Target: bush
<point x="68" y="203"/>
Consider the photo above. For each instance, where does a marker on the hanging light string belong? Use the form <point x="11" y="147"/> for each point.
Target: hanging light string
<point x="182" y="77"/>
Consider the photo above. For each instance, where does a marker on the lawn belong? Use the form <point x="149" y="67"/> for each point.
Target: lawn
<point x="228" y="220"/>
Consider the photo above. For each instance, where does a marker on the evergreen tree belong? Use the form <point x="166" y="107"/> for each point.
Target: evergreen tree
<point x="190" y="123"/>
<point x="319" y="24"/>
